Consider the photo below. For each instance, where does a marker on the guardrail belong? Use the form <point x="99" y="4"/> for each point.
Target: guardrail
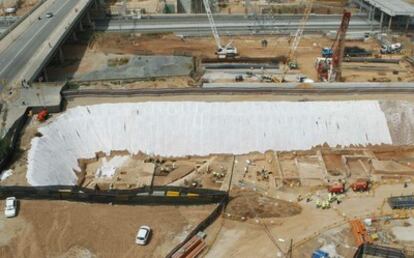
<point x="68" y="93"/>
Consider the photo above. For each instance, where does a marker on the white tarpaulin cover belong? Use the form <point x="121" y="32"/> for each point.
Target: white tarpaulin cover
<point x="108" y="168"/>
<point x="198" y="128"/>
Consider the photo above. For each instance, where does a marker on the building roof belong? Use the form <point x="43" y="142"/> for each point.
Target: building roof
<point x="394" y="7"/>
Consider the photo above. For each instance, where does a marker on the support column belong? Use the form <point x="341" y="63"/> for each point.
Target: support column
<point x="389" y="23"/>
<point x="382" y="19"/>
<point x="369" y="13"/>
<point x="81" y="26"/>
<point x="408" y="23"/>
<point x="88" y="19"/>
<point x="61" y="56"/>
<point x="45" y="77"/>
<point x="74" y="36"/>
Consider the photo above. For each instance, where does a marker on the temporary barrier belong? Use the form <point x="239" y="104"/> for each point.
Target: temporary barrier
<point x="141" y="196"/>
<point x="401" y="202"/>
<point x="378" y="251"/>
<point x="202" y="226"/>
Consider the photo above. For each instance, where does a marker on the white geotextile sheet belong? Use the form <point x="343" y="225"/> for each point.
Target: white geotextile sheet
<point x="109" y="167"/>
<point x="198" y="128"/>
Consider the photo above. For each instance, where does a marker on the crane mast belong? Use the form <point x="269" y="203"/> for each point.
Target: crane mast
<point x="212" y="23"/>
<point x="290" y="62"/>
<point x="335" y="73"/>
<point x="222" y="51"/>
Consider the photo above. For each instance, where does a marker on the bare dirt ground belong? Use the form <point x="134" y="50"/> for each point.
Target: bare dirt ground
<point x="248" y="204"/>
<point x="311" y="229"/>
<point x="94" y="230"/>
<point x="287" y="6"/>
<point x="83" y="59"/>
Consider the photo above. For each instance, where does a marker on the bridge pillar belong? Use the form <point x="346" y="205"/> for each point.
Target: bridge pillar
<point x="382" y="19"/>
<point x="74" y="36"/>
<point x="44" y="77"/>
<point x="61" y="56"/>
<point x="389" y="23"/>
<point x="81" y="26"/>
<point x="88" y="19"/>
<point x="407" y="25"/>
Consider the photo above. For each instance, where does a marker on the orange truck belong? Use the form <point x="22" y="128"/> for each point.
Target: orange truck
<point x="360" y="186"/>
<point x="336" y="188"/>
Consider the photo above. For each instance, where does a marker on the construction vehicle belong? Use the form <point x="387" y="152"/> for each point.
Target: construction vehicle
<point x="291" y="62"/>
<point x="336" y="188"/>
<point x="227" y="51"/>
<point x="326" y="52"/>
<point x="320" y="254"/>
<point x="391" y="48"/>
<point x="333" y="71"/>
<point x="42" y="115"/>
<point x="360" y="186"/>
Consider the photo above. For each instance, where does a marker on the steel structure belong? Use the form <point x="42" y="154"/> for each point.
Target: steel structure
<point x="296" y="40"/>
<point x="338" y="49"/>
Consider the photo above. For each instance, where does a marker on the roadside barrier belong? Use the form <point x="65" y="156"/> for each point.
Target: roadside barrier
<point x="158" y="195"/>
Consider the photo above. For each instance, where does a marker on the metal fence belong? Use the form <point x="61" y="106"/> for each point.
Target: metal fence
<point x="401" y="202"/>
<point x="371" y="250"/>
<point x="202" y="226"/>
<point x="166" y="195"/>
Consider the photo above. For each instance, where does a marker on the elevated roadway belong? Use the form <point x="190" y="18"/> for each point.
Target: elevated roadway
<point x="30" y="51"/>
<point x="232" y="24"/>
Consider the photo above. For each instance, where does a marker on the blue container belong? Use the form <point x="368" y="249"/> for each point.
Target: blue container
<point x="320" y="254"/>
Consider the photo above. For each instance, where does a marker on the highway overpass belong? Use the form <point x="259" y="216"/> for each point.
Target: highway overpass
<point x="232" y="24"/>
<point x="29" y="47"/>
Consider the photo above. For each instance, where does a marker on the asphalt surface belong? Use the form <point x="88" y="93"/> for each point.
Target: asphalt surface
<point x="17" y="55"/>
<point x="232" y="23"/>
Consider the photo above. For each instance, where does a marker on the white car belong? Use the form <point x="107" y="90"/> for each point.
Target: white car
<point x="10" y="207"/>
<point x="143" y="235"/>
<point x="49" y="15"/>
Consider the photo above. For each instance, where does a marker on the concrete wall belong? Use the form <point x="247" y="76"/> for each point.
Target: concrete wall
<point x="190" y="6"/>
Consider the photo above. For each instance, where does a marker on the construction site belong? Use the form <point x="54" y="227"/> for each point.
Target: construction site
<point x="225" y="128"/>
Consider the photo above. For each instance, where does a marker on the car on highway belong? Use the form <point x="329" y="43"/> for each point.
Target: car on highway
<point x="49" y="15"/>
<point x="10" y="207"/>
<point x="143" y="235"/>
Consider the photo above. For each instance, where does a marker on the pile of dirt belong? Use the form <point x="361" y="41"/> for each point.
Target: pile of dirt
<point x="248" y="204"/>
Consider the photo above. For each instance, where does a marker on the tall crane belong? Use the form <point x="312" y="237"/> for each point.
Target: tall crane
<point x="330" y="69"/>
<point x="222" y="51"/>
<point x="291" y="60"/>
<point x="338" y="47"/>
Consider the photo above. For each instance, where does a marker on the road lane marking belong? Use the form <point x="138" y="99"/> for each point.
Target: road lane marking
<point x="30" y="40"/>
